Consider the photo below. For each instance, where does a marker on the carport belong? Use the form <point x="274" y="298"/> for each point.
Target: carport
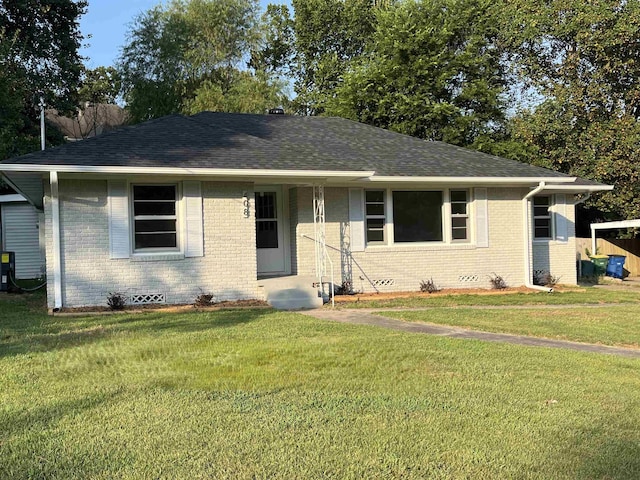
<point x="610" y="226"/>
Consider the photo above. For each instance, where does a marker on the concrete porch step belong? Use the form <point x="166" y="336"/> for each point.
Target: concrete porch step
<point x="294" y="292"/>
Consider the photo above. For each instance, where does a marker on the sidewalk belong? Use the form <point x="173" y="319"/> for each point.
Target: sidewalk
<point x="360" y="317"/>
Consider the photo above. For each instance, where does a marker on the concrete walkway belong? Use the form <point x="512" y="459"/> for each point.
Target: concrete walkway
<point x="360" y="317"/>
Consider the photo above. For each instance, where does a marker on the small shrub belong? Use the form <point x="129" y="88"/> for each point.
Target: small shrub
<point x="428" y="286"/>
<point x="545" y="279"/>
<point x="204" y="300"/>
<point x="345" y="289"/>
<point x="497" y="282"/>
<point x="116" y="300"/>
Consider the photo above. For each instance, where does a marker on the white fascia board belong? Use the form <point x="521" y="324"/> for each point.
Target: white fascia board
<point x="613" y="225"/>
<point x="218" y="172"/>
<point x="577" y="188"/>
<point x="12" y="198"/>
<point x="472" y="180"/>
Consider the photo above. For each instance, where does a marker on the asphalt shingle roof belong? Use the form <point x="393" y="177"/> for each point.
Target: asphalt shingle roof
<point x="280" y="142"/>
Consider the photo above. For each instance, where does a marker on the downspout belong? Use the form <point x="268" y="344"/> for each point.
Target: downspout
<point x="55" y="233"/>
<point x="527" y="240"/>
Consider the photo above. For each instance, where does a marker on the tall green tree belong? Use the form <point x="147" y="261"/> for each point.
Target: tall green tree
<point x="431" y="70"/>
<point x="100" y="85"/>
<point x="582" y="59"/>
<point x="39" y="42"/>
<point x="316" y="46"/>
<point x="188" y="54"/>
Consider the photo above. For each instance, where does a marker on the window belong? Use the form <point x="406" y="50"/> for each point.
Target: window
<point x="417" y="216"/>
<point x="459" y="215"/>
<point x="375" y="215"/>
<point x="266" y="220"/>
<point x="542" y="217"/>
<point x="154" y="217"/>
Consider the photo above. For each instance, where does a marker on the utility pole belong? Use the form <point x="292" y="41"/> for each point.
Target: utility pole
<point x="42" y="105"/>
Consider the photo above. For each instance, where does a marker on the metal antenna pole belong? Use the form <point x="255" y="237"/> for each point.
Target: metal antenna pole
<point x="42" y="105"/>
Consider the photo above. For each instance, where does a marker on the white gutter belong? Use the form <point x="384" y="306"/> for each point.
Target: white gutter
<point x="579" y="188"/>
<point x="55" y="231"/>
<point x="527" y="239"/>
<point x="474" y="180"/>
<point x="222" y="172"/>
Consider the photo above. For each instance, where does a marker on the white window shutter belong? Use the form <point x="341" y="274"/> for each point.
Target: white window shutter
<point x="356" y="219"/>
<point x="560" y="213"/>
<point x="482" y="217"/>
<point x="119" y="237"/>
<point x="193" y="241"/>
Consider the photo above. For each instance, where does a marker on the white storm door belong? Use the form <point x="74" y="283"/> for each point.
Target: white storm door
<point x="269" y="230"/>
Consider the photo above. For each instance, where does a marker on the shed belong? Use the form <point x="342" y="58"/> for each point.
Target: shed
<point x="20" y="232"/>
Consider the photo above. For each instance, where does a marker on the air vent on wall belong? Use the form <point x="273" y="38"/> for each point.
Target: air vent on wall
<point x="383" y="282"/>
<point x="468" y="278"/>
<point x="146" y="298"/>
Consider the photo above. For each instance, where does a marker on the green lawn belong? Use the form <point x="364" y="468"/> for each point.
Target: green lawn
<point x="590" y="295"/>
<point x="262" y="394"/>
<point x="614" y="325"/>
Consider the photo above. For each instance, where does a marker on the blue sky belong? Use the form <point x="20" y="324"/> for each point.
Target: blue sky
<point x="107" y="21"/>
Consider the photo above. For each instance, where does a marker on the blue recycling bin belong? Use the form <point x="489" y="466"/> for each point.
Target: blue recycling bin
<point x="615" y="266"/>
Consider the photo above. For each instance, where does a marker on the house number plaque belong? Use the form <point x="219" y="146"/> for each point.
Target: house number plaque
<point x="246" y="206"/>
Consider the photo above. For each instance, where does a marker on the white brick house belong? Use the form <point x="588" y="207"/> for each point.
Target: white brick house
<point x="178" y="206"/>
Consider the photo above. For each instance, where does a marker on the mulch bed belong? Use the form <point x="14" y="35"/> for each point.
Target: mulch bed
<point x="444" y="292"/>
<point x="102" y="310"/>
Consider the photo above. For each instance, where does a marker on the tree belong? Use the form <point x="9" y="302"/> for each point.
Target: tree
<point x="582" y="59"/>
<point x="431" y="70"/>
<point x="100" y="85"/>
<point x="181" y="55"/>
<point x="39" y="43"/>
<point x="316" y="46"/>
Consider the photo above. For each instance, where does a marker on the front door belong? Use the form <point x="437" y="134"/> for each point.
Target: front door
<point x="269" y="231"/>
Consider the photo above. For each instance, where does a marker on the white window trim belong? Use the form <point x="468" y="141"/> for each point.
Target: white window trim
<point x="447" y="235"/>
<point x="552" y="221"/>
<point x="466" y="215"/>
<point x="385" y="229"/>
<point x="178" y="250"/>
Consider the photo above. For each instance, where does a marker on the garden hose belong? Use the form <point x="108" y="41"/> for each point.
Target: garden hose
<point x="22" y="289"/>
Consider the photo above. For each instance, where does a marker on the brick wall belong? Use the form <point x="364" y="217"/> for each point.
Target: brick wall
<point x="558" y="258"/>
<point x="227" y="270"/>
<point x="402" y="267"/>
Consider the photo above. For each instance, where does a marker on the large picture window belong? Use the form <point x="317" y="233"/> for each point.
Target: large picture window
<point x="155" y="217"/>
<point x="417" y="216"/>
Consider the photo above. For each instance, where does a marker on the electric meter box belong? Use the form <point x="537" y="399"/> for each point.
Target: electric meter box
<point x="7" y="269"/>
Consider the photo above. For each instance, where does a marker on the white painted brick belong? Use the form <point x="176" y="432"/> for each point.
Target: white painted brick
<point x="408" y="265"/>
<point x="227" y="270"/>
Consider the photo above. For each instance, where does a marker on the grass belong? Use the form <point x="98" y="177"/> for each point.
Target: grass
<point x="614" y="325"/>
<point x="264" y="394"/>
<point x="590" y="295"/>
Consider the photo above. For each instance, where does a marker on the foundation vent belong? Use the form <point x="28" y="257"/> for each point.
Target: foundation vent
<point x="146" y="298"/>
<point x="468" y="278"/>
<point x="383" y="282"/>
